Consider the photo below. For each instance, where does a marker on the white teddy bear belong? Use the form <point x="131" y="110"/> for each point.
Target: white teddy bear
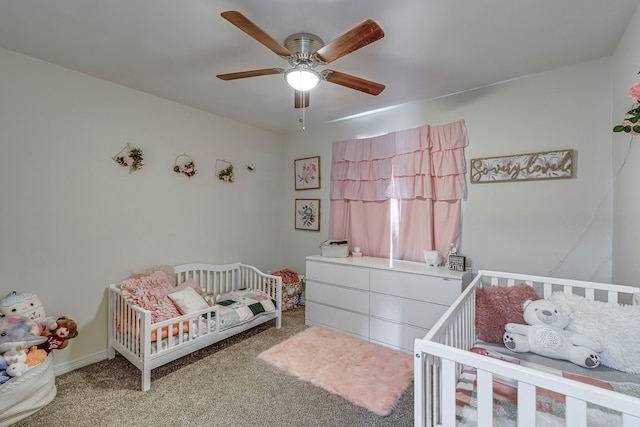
<point x="545" y="335"/>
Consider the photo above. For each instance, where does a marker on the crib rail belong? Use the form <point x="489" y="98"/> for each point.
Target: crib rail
<point x="440" y="356"/>
<point x="577" y="394"/>
<point x="545" y="286"/>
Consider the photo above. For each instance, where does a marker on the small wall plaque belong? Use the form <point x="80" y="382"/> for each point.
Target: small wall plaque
<point x="457" y="263"/>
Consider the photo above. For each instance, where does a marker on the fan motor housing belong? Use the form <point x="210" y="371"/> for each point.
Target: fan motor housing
<point x="302" y="47"/>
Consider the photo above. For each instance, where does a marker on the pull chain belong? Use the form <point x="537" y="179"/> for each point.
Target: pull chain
<point x="304" y="118"/>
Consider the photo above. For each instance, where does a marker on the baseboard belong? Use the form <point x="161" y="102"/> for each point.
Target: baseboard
<point x="63" y="368"/>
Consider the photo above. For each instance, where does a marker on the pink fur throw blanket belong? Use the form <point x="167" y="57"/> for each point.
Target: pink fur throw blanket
<point x="151" y="293"/>
<point x="498" y="305"/>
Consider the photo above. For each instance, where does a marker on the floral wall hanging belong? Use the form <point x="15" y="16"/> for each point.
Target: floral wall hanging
<point x="307" y="173"/>
<point x="307" y="214"/>
<point x="133" y="158"/>
<point x="185" y="166"/>
<point x="630" y="124"/>
<point x="224" y="171"/>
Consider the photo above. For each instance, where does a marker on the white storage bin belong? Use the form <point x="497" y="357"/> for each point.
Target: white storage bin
<point x="335" y="248"/>
<point x="23" y="396"/>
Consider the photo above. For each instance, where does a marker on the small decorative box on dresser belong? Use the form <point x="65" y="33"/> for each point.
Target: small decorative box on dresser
<point x="383" y="301"/>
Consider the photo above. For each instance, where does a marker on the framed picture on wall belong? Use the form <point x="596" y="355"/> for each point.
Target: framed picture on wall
<point x="307" y="214"/>
<point x="307" y="173"/>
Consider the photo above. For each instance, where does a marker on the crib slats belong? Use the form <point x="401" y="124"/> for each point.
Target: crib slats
<point x="576" y="412"/>
<point x="448" y="393"/>
<point x="526" y="405"/>
<point x="630" y="421"/>
<point x="485" y="399"/>
<point x="590" y="294"/>
<point x="547" y="290"/>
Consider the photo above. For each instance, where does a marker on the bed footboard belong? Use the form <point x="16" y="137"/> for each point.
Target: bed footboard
<point x="148" y="345"/>
<point x="441" y="355"/>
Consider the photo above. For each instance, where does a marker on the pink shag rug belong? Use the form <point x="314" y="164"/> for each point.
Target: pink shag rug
<point x="365" y="374"/>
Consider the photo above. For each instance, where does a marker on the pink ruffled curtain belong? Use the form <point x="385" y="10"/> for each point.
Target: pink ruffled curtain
<point x="399" y="194"/>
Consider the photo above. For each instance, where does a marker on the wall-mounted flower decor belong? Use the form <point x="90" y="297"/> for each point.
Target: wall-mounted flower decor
<point x="132" y="159"/>
<point x="224" y="171"/>
<point x="630" y="124"/>
<point x="184" y="164"/>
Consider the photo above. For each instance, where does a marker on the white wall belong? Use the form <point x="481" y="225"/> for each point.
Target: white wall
<point x="527" y="227"/>
<point x="73" y="221"/>
<point x="626" y="233"/>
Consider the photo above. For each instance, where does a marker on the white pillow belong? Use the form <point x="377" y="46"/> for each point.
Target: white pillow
<point x="614" y="326"/>
<point x="188" y="300"/>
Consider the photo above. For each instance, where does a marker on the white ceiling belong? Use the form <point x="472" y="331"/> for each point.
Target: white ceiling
<point x="175" y="48"/>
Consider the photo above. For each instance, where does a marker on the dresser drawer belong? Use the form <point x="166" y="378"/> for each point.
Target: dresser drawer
<point x="412" y="312"/>
<point x="433" y="289"/>
<point x="347" y="321"/>
<point x="394" y="334"/>
<point x="337" y="296"/>
<point x="349" y="276"/>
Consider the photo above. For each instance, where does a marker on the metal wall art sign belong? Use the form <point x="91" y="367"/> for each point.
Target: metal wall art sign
<point x="523" y="167"/>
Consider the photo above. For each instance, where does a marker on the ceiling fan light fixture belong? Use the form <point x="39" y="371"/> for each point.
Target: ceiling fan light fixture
<point x="302" y="78"/>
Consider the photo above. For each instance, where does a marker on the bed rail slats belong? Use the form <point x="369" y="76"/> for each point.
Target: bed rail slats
<point x="441" y="355"/>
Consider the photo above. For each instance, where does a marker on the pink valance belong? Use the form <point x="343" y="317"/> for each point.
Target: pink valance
<point x="422" y="163"/>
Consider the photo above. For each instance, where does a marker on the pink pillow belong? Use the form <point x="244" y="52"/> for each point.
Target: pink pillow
<point x="498" y="305"/>
<point x="151" y="293"/>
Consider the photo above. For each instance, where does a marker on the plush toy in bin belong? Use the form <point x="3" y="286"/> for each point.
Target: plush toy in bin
<point x="59" y="338"/>
<point x="18" y="331"/>
<point x="35" y="356"/>
<point x="546" y="335"/>
<point x="4" y="377"/>
<point x="29" y="305"/>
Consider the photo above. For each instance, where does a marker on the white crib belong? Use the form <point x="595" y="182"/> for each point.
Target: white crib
<point x="139" y="341"/>
<point x="441" y="355"/>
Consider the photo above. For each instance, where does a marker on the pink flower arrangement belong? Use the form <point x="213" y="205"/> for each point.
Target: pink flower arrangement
<point x="133" y="160"/>
<point x="634" y="92"/>
<point x="226" y="175"/>
<point x="630" y="124"/>
<point x="189" y="169"/>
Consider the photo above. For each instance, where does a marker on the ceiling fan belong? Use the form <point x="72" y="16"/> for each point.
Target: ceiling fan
<point x="305" y="52"/>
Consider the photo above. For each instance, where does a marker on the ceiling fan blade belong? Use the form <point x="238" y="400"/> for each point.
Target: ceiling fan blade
<point x="300" y="99"/>
<point x="360" y="36"/>
<point x="352" y="82"/>
<point x="251" y="73"/>
<point x="242" y="22"/>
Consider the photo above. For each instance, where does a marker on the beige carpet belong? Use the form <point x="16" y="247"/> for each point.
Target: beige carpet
<point x="222" y="385"/>
<point x="365" y="374"/>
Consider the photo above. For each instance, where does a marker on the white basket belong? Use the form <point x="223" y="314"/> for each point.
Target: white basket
<point x="334" y="250"/>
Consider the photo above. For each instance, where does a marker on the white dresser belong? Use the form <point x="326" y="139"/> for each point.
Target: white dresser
<point x="379" y="300"/>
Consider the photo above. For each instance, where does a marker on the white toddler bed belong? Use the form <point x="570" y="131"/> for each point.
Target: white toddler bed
<point x="442" y="359"/>
<point x="148" y="345"/>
